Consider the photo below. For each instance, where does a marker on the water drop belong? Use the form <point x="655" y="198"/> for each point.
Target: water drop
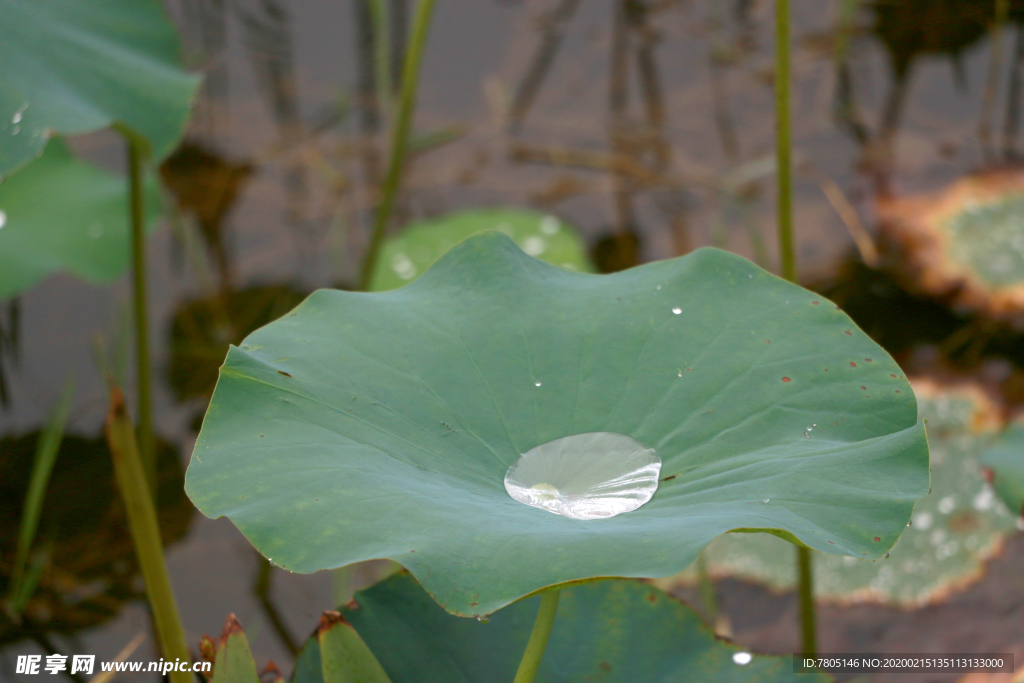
<point x="484" y="619"/>
<point x="765" y="500"/>
<point x="886" y="556"/>
<point x="16" y="118"/>
<point x="680" y="373"/>
<point x="658" y="288"/>
<point x="15" y="130"/>
<point x="586" y="476"/>
<point x="677" y="310"/>
<point x="3" y="219"/>
<point x="742" y="658"/>
<point x="536" y="384"/>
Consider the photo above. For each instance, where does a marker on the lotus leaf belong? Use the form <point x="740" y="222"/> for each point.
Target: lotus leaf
<point x="406" y="257"/>
<point x="381" y="425"/>
<point x="86" y="232"/>
<point x="611" y="631"/>
<point x="70" y="67"/>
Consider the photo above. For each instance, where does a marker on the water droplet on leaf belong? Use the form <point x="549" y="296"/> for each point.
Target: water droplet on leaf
<point x="742" y="658"/>
<point x="586" y="476"/>
<point x="677" y="310"/>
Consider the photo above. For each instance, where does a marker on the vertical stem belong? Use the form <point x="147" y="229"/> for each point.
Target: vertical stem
<point x="783" y="154"/>
<point x="381" y="53"/>
<point x="784" y="141"/>
<point x="808" y="635"/>
<point x="145" y="532"/>
<point x="538" y="642"/>
<point x="138" y="219"/>
<point x="399" y="135"/>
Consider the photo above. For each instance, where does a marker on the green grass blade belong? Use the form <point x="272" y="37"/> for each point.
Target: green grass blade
<point x="46" y="455"/>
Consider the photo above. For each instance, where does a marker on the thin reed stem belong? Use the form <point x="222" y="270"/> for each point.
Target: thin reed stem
<point x="143" y="376"/>
<point x="400" y="132"/>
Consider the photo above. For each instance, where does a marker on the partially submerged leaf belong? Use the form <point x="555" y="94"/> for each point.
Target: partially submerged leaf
<point x="964" y="244"/>
<point x="364" y="426"/>
<point x="63" y="214"/>
<point x="609" y="631"/>
<point x="953" y="531"/>
<point x="70" y="67"/>
<point x="1004" y="464"/>
<point x="344" y="657"/>
<point x="406" y="257"/>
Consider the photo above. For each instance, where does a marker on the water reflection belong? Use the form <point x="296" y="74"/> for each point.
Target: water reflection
<point x="83" y="551"/>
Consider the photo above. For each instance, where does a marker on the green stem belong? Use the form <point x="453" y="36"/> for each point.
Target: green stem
<point x="138" y="220"/>
<point x="381" y="53"/>
<point x="399" y="135"/>
<point x="784" y="161"/>
<point x="538" y="642"/>
<point x="145" y="531"/>
<point x="807" y="619"/>
<point x="784" y="141"/>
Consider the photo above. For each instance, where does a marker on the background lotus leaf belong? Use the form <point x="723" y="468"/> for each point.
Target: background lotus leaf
<point x="86" y="232"/>
<point x="1005" y="466"/>
<point x="406" y="257"/>
<point x="609" y="631"/>
<point x="70" y="67"/>
<point x="955" y="528"/>
<point x="366" y="426"/>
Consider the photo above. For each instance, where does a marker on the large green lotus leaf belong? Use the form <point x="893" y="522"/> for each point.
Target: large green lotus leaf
<point x="381" y="425"/>
<point x="70" y="67"/>
<point x="60" y="213"/>
<point x="406" y="257"/>
<point x="953" y="531"/>
<point x="610" y="631"/>
<point x="1005" y="467"/>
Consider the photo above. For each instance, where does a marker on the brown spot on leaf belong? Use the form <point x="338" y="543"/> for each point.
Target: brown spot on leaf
<point x="231" y="627"/>
<point x="282" y="372"/>
<point x="785" y="379"/>
<point x="328" y="620"/>
<point x="604" y="666"/>
<point x="670" y="477"/>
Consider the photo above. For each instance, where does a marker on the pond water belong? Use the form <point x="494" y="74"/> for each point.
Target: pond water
<point x="645" y="124"/>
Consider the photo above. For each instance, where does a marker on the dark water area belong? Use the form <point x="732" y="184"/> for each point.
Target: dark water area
<point x="646" y="124"/>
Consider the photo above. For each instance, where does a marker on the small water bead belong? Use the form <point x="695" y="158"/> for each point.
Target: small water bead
<point x="536" y="384"/>
<point x="586" y="476"/>
<point x="3" y="219"/>
<point x="677" y="310"/>
<point x="766" y="500"/>
<point x="742" y="658"/>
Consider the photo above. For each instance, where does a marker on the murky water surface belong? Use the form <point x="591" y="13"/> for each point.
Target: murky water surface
<point x="646" y="125"/>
